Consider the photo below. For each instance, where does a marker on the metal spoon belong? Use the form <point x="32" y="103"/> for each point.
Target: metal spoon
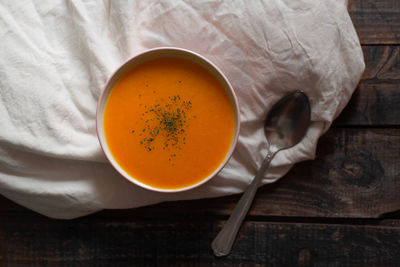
<point x="286" y="124"/>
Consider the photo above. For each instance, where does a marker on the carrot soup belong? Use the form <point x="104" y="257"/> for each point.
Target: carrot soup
<point x="169" y="122"/>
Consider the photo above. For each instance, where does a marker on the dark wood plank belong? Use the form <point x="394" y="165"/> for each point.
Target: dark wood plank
<point x="374" y="103"/>
<point x="106" y="242"/>
<point x="376" y="22"/>
<point x="377" y="98"/>
<point x="382" y="63"/>
<point x="9" y="206"/>
<point x="355" y="174"/>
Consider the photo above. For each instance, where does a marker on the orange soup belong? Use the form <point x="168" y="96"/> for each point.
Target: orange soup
<point x="169" y="123"/>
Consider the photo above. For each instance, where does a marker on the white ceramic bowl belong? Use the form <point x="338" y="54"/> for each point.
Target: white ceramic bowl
<point x="149" y="55"/>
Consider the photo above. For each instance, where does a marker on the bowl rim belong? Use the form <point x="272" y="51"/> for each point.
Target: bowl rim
<point x="99" y="117"/>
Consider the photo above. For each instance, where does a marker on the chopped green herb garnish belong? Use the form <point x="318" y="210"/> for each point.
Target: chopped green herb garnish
<point x="167" y="121"/>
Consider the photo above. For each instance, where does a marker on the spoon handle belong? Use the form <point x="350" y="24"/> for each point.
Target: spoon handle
<point x="223" y="242"/>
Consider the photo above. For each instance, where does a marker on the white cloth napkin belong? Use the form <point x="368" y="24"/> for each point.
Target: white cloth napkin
<point x="55" y="57"/>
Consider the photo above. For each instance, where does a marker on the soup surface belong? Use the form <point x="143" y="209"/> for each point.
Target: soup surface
<point x="169" y="123"/>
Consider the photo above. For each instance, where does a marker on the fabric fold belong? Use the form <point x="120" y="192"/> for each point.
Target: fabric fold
<point x="55" y="57"/>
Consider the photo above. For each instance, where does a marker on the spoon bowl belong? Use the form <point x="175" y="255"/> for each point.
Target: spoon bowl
<point x="288" y="121"/>
<point x="285" y="126"/>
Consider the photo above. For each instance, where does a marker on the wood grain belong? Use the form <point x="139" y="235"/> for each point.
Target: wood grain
<point x="374" y="103"/>
<point x="376" y="100"/>
<point x="382" y="63"/>
<point x="107" y="242"/>
<point x="376" y="22"/>
<point x="355" y="174"/>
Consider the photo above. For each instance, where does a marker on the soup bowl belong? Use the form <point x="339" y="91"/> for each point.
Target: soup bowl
<point x="168" y="120"/>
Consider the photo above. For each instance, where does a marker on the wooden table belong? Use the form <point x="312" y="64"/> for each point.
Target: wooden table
<point x="342" y="209"/>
